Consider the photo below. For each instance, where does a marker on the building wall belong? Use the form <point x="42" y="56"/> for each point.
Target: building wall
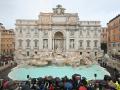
<point x="104" y="39"/>
<point x="114" y="34"/>
<point x="1" y="29"/>
<point x="44" y="30"/>
<point x="7" y="42"/>
<point x="104" y="35"/>
<point x="0" y="40"/>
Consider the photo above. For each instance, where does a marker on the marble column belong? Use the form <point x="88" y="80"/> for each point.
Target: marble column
<point x="64" y="44"/>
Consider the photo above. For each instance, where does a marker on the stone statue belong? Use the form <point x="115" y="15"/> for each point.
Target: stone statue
<point x="58" y="10"/>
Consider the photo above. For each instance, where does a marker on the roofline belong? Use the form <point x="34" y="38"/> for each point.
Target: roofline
<point x="114" y="18"/>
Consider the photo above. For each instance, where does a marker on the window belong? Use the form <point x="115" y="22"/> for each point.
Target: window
<point x="114" y="37"/>
<point x="45" y="34"/>
<point x="95" y="43"/>
<point x="81" y="43"/>
<point x="95" y="53"/>
<point x="81" y="34"/>
<point x="36" y="43"/>
<point x="28" y="53"/>
<point x="80" y="53"/>
<point x="45" y="43"/>
<point x="20" y="43"/>
<point x="88" y="43"/>
<point x="20" y="31"/>
<point x="28" y="42"/>
<point x="36" y="31"/>
<point x="88" y="33"/>
<point x="28" y="31"/>
<point x="95" y="34"/>
<point x="71" y="43"/>
<point x="118" y="44"/>
<point x="113" y="44"/>
<point x="119" y="37"/>
<point x="103" y="36"/>
<point x="11" y="51"/>
<point x="35" y="52"/>
<point x="71" y="33"/>
<point x="103" y="30"/>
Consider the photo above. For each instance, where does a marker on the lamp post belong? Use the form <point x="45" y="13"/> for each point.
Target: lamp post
<point x="95" y="75"/>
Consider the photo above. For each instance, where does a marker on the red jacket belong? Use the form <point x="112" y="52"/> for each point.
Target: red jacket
<point x="51" y="87"/>
<point x="82" y="88"/>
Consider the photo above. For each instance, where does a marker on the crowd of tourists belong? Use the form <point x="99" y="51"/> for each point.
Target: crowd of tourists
<point x="75" y="83"/>
<point x="5" y="60"/>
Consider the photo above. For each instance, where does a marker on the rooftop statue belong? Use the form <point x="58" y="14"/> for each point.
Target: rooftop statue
<point x="58" y="10"/>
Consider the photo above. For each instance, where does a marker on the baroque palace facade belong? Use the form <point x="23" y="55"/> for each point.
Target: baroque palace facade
<point x="57" y="32"/>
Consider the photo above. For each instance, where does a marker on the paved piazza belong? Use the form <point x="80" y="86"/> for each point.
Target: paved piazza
<point x="57" y="32"/>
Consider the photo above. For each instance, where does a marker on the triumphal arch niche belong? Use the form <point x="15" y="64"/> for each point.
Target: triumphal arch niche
<point x="59" y="41"/>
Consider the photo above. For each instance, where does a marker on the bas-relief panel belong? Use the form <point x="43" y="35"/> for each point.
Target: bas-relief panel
<point x="45" y="19"/>
<point x="72" y="20"/>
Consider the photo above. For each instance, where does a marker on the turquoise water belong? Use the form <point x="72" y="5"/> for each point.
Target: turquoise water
<point x="21" y="73"/>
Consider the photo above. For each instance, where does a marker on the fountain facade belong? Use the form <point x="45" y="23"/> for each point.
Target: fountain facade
<point x="59" y="58"/>
<point x="57" y="32"/>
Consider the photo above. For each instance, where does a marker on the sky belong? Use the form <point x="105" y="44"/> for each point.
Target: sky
<point x="100" y="10"/>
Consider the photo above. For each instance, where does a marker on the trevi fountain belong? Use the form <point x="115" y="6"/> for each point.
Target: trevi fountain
<point x="57" y="64"/>
<point x="59" y="58"/>
<point x="55" y="49"/>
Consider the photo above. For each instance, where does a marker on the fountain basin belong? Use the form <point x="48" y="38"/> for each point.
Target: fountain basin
<point x="20" y="73"/>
